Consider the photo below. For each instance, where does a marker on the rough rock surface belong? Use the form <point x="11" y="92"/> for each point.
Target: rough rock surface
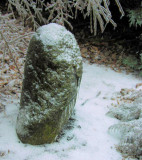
<point x="52" y="76"/>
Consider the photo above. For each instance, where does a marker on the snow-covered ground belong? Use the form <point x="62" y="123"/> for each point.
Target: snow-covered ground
<point x="86" y="137"/>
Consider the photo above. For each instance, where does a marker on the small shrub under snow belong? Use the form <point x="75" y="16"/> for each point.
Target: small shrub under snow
<point x="129" y="129"/>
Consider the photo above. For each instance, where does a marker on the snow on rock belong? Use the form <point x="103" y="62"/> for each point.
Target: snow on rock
<point x="52" y="77"/>
<point x="86" y="136"/>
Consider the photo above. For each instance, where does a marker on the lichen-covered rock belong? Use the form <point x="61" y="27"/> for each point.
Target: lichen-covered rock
<point x="52" y="77"/>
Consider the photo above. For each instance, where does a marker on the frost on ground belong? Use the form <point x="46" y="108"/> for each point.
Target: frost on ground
<point x="85" y="137"/>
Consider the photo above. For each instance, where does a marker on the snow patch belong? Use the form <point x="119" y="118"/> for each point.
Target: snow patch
<point x="87" y="137"/>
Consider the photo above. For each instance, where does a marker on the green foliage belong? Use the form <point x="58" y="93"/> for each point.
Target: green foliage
<point x="135" y="17"/>
<point x="134" y="63"/>
<point x="60" y="11"/>
<point x="140" y="66"/>
<point x="141" y="57"/>
<point x="130" y="61"/>
<point x="140" y="73"/>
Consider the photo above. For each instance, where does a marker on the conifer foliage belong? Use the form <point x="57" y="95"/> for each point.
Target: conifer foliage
<point x="129" y="128"/>
<point x="61" y="11"/>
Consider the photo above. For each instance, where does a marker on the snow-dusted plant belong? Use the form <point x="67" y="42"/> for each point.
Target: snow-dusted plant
<point x="60" y="11"/>
<point x="130" y="134"/>
<point x="130" y="131"/>
<point x="29" y="11"/>
<point x="128" y="111"/>
<point x="125" y="112"/>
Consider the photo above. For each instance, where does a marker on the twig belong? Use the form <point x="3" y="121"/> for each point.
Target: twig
<point x="19" y="38"/>
<point x="10" y="53"/>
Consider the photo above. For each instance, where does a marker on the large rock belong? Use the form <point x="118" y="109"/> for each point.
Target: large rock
<point x="52" y="77"/>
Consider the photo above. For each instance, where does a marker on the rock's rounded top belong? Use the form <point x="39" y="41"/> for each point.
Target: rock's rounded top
<point x="58" y="43"/>
<point x="52" y="33"/>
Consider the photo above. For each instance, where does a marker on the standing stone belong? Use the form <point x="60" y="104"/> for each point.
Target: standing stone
<point x="52" y="77"/>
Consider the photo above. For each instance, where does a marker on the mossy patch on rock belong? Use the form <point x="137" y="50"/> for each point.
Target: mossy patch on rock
<point x="52" y="76"/>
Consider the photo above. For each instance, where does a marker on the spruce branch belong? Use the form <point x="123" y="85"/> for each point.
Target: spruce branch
<point x="60" y="11"/>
